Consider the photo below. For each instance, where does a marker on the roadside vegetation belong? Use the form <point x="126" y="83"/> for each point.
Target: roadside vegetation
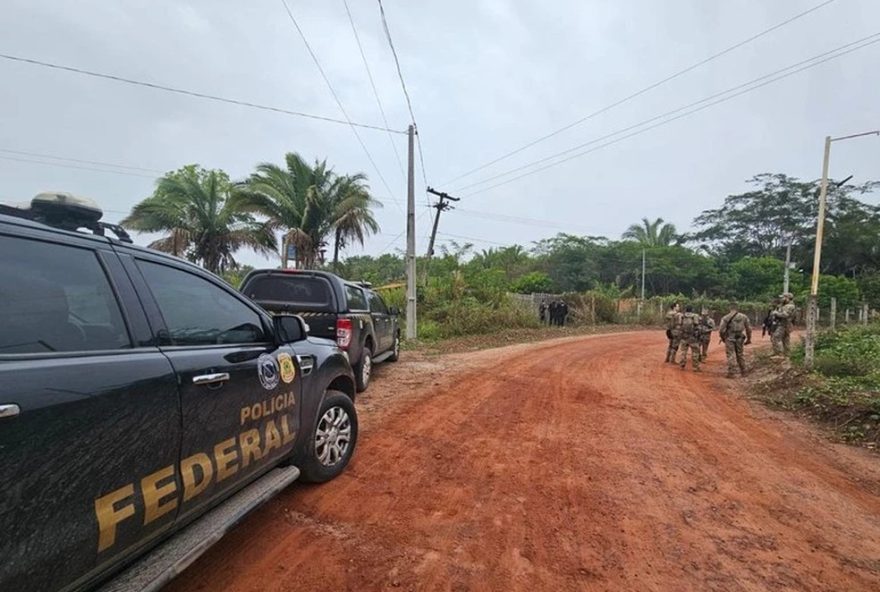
<point x="842" y="392"/>
<point x="314" y="214"/>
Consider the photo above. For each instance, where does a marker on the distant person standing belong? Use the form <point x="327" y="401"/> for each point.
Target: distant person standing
<point x="552" y="311"/>
<point x="542" y="311"/>
<point x="707" y="325"/>
<point x="563" y="312"/>
<point x="784" y="318"/>
<point x="735" y="332"/>
<point x="672" y="332"/>
<point x="689" y="331"/>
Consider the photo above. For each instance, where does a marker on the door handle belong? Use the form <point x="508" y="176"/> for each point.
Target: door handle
<point x="9" y="410"/>
<point x="211" y="378"/>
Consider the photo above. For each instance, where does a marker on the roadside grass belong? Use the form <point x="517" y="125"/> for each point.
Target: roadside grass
<point x="501" y="338"/>
<point x="842" y="393"/>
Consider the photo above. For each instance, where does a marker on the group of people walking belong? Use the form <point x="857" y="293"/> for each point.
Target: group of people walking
<point x="554" y="312"/>
<point x="688" y="331"/>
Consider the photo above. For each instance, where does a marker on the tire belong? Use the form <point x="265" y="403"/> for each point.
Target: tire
<point x="364" y="369"/>
<point x="395" y="349"/>
<point x="337" y="411"/>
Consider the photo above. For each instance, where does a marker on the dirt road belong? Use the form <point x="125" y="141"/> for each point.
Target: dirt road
<point x="581" y="464"/>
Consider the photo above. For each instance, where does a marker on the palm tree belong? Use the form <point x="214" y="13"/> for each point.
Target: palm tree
<point x="194" y="208"/>
<point x="652" y="234"/>
<point x="352" y="217"/>
<point x="309" y="203"/>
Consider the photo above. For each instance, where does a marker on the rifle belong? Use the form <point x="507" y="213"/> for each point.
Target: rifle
<point x="769" y="325"/>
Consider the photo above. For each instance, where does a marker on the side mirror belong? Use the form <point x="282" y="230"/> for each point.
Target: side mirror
<point x="393" y="310"/>
<point x="289" y="328"/>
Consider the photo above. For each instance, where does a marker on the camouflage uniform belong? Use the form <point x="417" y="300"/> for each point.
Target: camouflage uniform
<point x="673" y="320"/>
<point x="783" y="317"/>
<point x="689" y="328"/>
<point x="707" y="325"/>
<point x="736" y="332"/>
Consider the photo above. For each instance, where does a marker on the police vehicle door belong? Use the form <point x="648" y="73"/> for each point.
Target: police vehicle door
<point x="239" y="392"/>
<point x="89" y="414"/>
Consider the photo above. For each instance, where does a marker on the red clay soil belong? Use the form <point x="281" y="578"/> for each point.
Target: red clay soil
<point x="576" y="464"/>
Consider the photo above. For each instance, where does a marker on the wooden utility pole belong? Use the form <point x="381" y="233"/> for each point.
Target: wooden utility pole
<point x="441" y="206"/>
<point x="813" y="312"/>
<point x="411" y="321"/>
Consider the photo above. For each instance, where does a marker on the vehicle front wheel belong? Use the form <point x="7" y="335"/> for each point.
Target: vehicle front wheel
<point x="364" y="369"/>
<point x="332" y="441"/>
<point x="395" y="352"/>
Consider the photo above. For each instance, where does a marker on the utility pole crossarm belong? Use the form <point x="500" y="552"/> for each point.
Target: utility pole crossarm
<point x="440" y="206"/>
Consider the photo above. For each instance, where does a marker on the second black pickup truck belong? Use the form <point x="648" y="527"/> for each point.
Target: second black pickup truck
<point x="352" y="314"/>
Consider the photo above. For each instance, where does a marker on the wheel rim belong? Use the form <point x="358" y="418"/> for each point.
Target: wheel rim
<point x="366" y="367"/>
<point x="333" y="436"/>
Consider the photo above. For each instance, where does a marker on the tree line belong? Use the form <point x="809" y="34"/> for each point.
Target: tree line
<point x="735" y="251"/>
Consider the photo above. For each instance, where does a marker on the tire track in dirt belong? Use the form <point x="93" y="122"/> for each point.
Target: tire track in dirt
<point x="580" y="464"/>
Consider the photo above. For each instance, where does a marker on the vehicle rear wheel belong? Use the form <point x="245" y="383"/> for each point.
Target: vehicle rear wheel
<point x="332" y="441"/>
<point x="395" y="351"/>
<point x="364" y="369"/>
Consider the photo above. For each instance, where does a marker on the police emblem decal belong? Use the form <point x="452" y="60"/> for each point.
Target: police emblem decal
<point x="288" y="370"/>
<point x="267" y="370"/>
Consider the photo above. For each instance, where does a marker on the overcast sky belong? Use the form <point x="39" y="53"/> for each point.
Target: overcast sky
<point x="485" y="77"/>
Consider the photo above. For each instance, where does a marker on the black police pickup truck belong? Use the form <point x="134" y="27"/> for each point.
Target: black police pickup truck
<point x="353" y="314"/>
<point x="145" y="406"/>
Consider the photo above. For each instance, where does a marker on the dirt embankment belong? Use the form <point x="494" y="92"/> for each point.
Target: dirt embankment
<point x="576" y="464"/>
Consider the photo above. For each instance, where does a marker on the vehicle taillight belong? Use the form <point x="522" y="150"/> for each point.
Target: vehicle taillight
<point x="343" y="333"/>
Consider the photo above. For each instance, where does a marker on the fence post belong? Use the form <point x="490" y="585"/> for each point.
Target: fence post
<point x="846" y="317"/>
<point x="865" y="314"/>
<point x="593" y="308"/>
<point x="833" y="317"/>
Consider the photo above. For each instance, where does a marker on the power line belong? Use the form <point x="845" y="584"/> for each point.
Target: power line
<point x="471" y="238"/>
<point x="396" y="62"/>
<point x="373" y="86"/>
<point x="409" y="106"/>
<point x="686" y="114"/>
<point x="190" y="93"/>
<point x="642" y="91"/>
<point x="99" y="163"/>
<point x="402" y="232"/>
<point x="336" y="98"/>
<point x="73" y="166"/>
<point x="519" y="169"/>
<point x="522" y="220"/>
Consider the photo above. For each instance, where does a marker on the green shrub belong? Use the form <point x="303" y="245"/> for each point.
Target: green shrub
<point x="429" y="331"/>
<point x="468" y="316"/>
<point x="850" y="352"/>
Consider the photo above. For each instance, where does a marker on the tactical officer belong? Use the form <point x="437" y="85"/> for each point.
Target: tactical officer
<point x="672" y="333"/>
<point x="563" y="312"/>
<point x="735" y="332"/>
<point x="689" y="331"/>
<point x="552" y="311"/>
<point x="784" y="316"/>
<point x="770" y="320"/>
<point x="542" y="311"/>
<point x="707" y="325"/>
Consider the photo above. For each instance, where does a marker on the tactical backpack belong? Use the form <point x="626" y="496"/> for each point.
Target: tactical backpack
<point x="688" y="325"/>
<point x="737" y="324"/>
